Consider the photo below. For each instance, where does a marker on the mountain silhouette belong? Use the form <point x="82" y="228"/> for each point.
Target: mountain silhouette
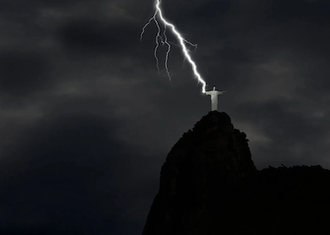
<point x="209" y="185"/>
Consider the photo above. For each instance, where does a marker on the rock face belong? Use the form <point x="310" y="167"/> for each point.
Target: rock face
<point x="201" y="168"/>
<point x="210" y="186"/>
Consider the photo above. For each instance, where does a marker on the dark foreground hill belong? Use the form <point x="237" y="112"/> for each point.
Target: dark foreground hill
<point x="210" y="186"/>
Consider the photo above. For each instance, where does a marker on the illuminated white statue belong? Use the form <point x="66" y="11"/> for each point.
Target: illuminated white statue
<point x="214" y="97"/>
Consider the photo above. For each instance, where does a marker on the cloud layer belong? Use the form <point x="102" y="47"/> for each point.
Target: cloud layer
<point x="86" y="121"/>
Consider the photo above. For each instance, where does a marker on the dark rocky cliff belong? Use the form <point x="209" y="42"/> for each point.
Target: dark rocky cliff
<point x="209" y="185"/>
<point x="197" y="173"/>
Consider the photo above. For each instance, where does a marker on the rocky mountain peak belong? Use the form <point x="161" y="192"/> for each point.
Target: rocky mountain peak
<point x="200" y="168"/>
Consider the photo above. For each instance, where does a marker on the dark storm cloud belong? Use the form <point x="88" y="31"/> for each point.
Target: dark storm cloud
<point x="84" y="149"/>
<point x="55" y="176"/>
<point x="69" y="173"/>
<point x="211" y="10"/>
<point x="293" y="137"/>
<point x="8" y="6"/>
<point x="22" y="73"/>
<point x="311" y="12"/>
<point x="90" y="36"/>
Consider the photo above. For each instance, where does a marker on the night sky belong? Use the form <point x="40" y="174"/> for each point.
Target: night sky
<point x="86" y="121"/>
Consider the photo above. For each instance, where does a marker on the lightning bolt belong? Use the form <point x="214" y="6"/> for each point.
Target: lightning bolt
<point x="162" y="39"/>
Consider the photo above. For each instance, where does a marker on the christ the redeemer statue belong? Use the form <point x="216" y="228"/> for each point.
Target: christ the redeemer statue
<point x="214" y="98"/>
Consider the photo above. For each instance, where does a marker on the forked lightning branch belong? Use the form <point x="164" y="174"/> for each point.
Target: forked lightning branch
<point x="162" y="38"/>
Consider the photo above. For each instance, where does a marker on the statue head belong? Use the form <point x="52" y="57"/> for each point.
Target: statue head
<point x="214" y="88"/>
